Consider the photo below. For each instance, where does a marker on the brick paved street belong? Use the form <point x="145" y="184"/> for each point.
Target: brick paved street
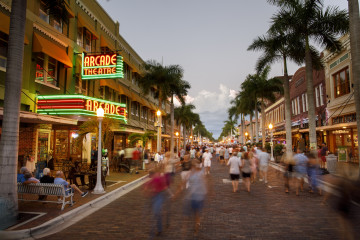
<point x="265" y="213"/>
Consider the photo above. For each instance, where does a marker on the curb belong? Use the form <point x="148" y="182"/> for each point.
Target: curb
<point x="67" y="219"/>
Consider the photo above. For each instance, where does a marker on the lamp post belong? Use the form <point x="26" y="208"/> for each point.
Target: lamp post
<point x="158" y="147"/>
<point x="98" y="187"/>
<point x="271" y="142"/>
<point x="177" y="143"/>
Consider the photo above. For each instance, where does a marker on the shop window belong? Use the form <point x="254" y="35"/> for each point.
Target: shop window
<point x="46" y="69"/>
<point x="61" y="144"/>
<point x="144" y="113"/>
<point x="342" y="82"/>
<point x="3" y="50"/>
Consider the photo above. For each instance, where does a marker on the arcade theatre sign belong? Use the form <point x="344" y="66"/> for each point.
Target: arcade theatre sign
<point x="79" y="105"/>
<point x="102" y="66"/>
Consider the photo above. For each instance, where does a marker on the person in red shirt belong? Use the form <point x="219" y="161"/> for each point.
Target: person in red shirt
<point x="156" y="189"/>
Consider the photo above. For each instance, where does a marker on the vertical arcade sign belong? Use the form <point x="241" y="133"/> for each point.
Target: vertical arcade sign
<point x="102" y="66"/>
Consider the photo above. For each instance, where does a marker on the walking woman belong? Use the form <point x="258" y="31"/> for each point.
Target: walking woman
<point x="226" y="155"/>
<point x="235" y="164"/>
<point x="246" y="170"/>
<point x="253" y="160"/>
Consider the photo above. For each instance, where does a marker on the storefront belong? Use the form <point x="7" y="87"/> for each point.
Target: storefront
<point x="63" y="143"/>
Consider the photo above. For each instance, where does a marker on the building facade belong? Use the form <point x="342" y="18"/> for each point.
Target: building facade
<point x="70" y="69"/>
<point x="341" y="125"/>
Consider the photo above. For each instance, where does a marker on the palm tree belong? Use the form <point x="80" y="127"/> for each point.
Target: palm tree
<point x="92" y="126"/>
<point x="264" y="89"/>
<point x="10" y="124"/>
<point x="306" y="21"/>
<point x="185" y="116"/>
<point x="355" y="56"/>
<point x="168" y="82"/>
<point x="280" y="47"/>
<point x="143" y="137"/>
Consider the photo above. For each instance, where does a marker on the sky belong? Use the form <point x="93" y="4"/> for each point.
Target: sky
<point x="208" y="38"/>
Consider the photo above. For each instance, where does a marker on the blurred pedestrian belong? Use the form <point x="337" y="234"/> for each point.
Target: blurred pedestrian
<point x="222" y="154"/>
<point x="195" y="194"/>
<point x="156" y="188"/>
<point x="254" y="165"/>
<point x="235" y="164"/>
<point x="246" y="169"/>
<point x="226" y="155"/>
<point x="301" y="162"/>
<point x="313" y="173"/>
<point x="263" y="158"/>
<point x="323" y="154"/>
<point x="207" y="161"/>
<point x="289" y="161"/>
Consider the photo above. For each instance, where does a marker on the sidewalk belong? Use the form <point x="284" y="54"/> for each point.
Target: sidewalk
<point x="50" y="213"/>
<point x="265" y="213"/>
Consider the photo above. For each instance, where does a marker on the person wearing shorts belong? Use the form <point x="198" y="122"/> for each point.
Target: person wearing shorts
<point x="222" y="154"/>
<point x="301" y="162"/>
<point x="235" y="164"/>
<point x="207" y="161"/>
<point x="246" y="170"/>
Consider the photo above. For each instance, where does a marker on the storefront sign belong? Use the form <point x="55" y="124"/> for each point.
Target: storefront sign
<point x="102" y="66"/>
<point x="79" y="105"/>
<point x="341" y="132"/>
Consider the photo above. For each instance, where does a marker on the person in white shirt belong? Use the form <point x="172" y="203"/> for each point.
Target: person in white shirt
<point x="192" y="153"/>
<point x="263" y="158"/>
<point x="157" y="158"/>
<point x="207" y="161"/>
<point x="230" y="150"/>
<point x="217" y="153"/>
<point x="235" y="164"/>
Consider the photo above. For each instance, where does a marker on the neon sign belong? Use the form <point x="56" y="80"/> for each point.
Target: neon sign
<point x="102" y="66"/>
<point x="79" y="105"/>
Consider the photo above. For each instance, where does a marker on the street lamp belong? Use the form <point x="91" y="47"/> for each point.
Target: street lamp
<point x="158" y="147"/>
<point x="177" y="143"/>
<point x="246" y="135"/>
<point x="271" y="142"/>
<point x="98" y="187"/>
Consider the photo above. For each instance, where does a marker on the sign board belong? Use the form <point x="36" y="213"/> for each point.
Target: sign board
<point x="79" y="105"/>
<point x="101" y="66"/>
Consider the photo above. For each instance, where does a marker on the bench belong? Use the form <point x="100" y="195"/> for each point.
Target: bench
<point x="48" y="189"/>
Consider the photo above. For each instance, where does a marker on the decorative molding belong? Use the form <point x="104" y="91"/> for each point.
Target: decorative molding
<point x="108" y="32"/>
<point x="6" y="7"/>
<point x="41" y="29"/>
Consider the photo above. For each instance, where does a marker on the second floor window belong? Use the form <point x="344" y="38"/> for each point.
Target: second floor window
<point x="3" y="50"/>
<point x="342" y="82"/>
<point x="85" y="39"/>
<point x="46" y="69"/>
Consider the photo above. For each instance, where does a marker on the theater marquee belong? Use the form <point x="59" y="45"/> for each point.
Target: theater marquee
<point x="79" y="105"/>
<point x="101" y="66"/>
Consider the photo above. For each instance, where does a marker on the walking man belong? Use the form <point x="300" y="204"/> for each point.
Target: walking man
<point x="207" y="161"/>
<point x="263" y="158"/>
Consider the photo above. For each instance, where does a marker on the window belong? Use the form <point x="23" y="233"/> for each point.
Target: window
<point x="3" y="50"/>
<point x="307" y="103"/>
<point x="46" y="69"/>
<point x="342" y="82"/>
<point x="43" y="12"/>
<point x="317" y="96"/>
<point x="321" y="94"/>
<point x="303" y="102"/>
<point x="135" y="108"/>
<point x="52" y="20"/>
<point x="144" y="113"/>
<point x="292" y="107"/>
<point x="84" y="39"/>
<point x="298" y="105"/>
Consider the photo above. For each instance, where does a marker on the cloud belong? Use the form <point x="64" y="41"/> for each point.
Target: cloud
<point x="212" y="107"/>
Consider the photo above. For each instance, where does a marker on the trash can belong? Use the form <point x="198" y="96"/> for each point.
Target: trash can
<point x="331" y="161"/>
